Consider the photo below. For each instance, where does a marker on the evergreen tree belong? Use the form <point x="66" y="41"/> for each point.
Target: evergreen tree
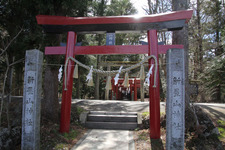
<point x="17" y="15"/>
<point x="206" y="44"/>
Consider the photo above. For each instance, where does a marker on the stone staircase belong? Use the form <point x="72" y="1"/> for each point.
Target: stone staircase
<point x="111" y="120"/>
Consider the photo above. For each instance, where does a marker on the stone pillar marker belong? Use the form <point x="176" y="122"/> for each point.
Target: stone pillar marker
<point x="32" y="100"/>
<point x="175" y="103"/>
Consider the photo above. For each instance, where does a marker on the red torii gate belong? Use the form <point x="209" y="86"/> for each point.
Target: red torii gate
<point x="75" y="25"/>
<point x="134" y="84"/>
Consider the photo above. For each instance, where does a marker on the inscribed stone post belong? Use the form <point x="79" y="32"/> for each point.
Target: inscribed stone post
<point x="175" y="102"/>
<point x="32" y="100"/>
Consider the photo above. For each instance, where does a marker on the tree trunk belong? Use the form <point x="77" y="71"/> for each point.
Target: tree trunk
<point x="200" y="49"/>
<point x="97" y="79"/>
<point x="78" y="87"/>
<point x="219" y="48"/>
<point x="199" y="52"/>
<point x="100" y="12"/>
<point x="50" y="104"/>
<point x="107" y="91"/>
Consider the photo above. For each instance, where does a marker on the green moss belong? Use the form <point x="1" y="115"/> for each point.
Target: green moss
<point x="222" y="133"/>
<point x="221" y="123"/>
<point x="60" y="146"/>
<point x="162" y="113"/>
<point x="71" y="135"/>
<point x="221" y="129"/>
<point x="79" y="110"/>
<point x="145" y="114"/>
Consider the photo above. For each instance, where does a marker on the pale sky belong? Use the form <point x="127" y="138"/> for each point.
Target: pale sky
<point x="138" y="4"/>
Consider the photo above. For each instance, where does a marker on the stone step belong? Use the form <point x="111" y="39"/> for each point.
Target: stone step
<point x="111" y="118"/>
<point x="112" y="125"/>
<point x="112" y="113"/>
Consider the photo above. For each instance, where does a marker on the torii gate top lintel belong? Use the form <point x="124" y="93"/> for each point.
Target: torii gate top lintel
<point x="170" y="21"/>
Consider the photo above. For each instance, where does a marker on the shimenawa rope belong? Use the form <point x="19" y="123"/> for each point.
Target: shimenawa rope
<point x="109" y="72"/>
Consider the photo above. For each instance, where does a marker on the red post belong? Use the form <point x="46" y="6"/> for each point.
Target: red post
<point x="154" y="93"/>
<point x="135" y="89"/>
<point x="116" y="92"/>
<point x="131" y="88"/>
<point x="67" y="95"/>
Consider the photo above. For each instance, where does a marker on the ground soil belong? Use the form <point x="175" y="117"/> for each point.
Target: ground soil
<point x="195" y="139"/>
<point x="143" y="142"/>
<point x="51" y="139"/>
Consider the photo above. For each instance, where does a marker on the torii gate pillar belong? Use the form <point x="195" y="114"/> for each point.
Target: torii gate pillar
<point x="67" y="94"/>
<point x="154" y="92"/>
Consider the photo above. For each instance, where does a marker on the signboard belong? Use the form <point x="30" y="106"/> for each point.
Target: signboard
<point x="110" y="38"/>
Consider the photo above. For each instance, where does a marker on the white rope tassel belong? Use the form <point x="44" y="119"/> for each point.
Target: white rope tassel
<point x="116" y="79"/>
<point x="75" y="73"/>
<point x="60" y="73"/>
<point x="90" y="78"/>
<point x="147" y="80"/>
<point x="142" y="72"/>
<point x="126" y="81"/>
<point x="108" y="83"/>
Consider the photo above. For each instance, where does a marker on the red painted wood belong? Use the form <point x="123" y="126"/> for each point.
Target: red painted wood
<point x="135" y="89"/>
<point x="61" y="20"/>
<point x="67" y="95"/>
<point x="109" y="50"/>
<point x="162" y="49"/>
<point x="154" y="93"/>
<point x="117" y="92"/>
<point x="55" y="50"/>
<point x="131" y="90"/>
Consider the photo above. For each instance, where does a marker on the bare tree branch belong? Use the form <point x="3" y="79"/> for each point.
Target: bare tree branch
<point x="3" y="88"/>
<point x="16" y="62"/>
<point x="4" y="50"/>
<point x="146" y="10"/>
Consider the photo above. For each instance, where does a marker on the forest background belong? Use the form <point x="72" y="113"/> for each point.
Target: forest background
<point x="19" y="32"/>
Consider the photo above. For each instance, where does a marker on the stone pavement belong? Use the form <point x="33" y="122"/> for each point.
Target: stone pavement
<point x="115" y="106"/>
<point x="97" y="139"/>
